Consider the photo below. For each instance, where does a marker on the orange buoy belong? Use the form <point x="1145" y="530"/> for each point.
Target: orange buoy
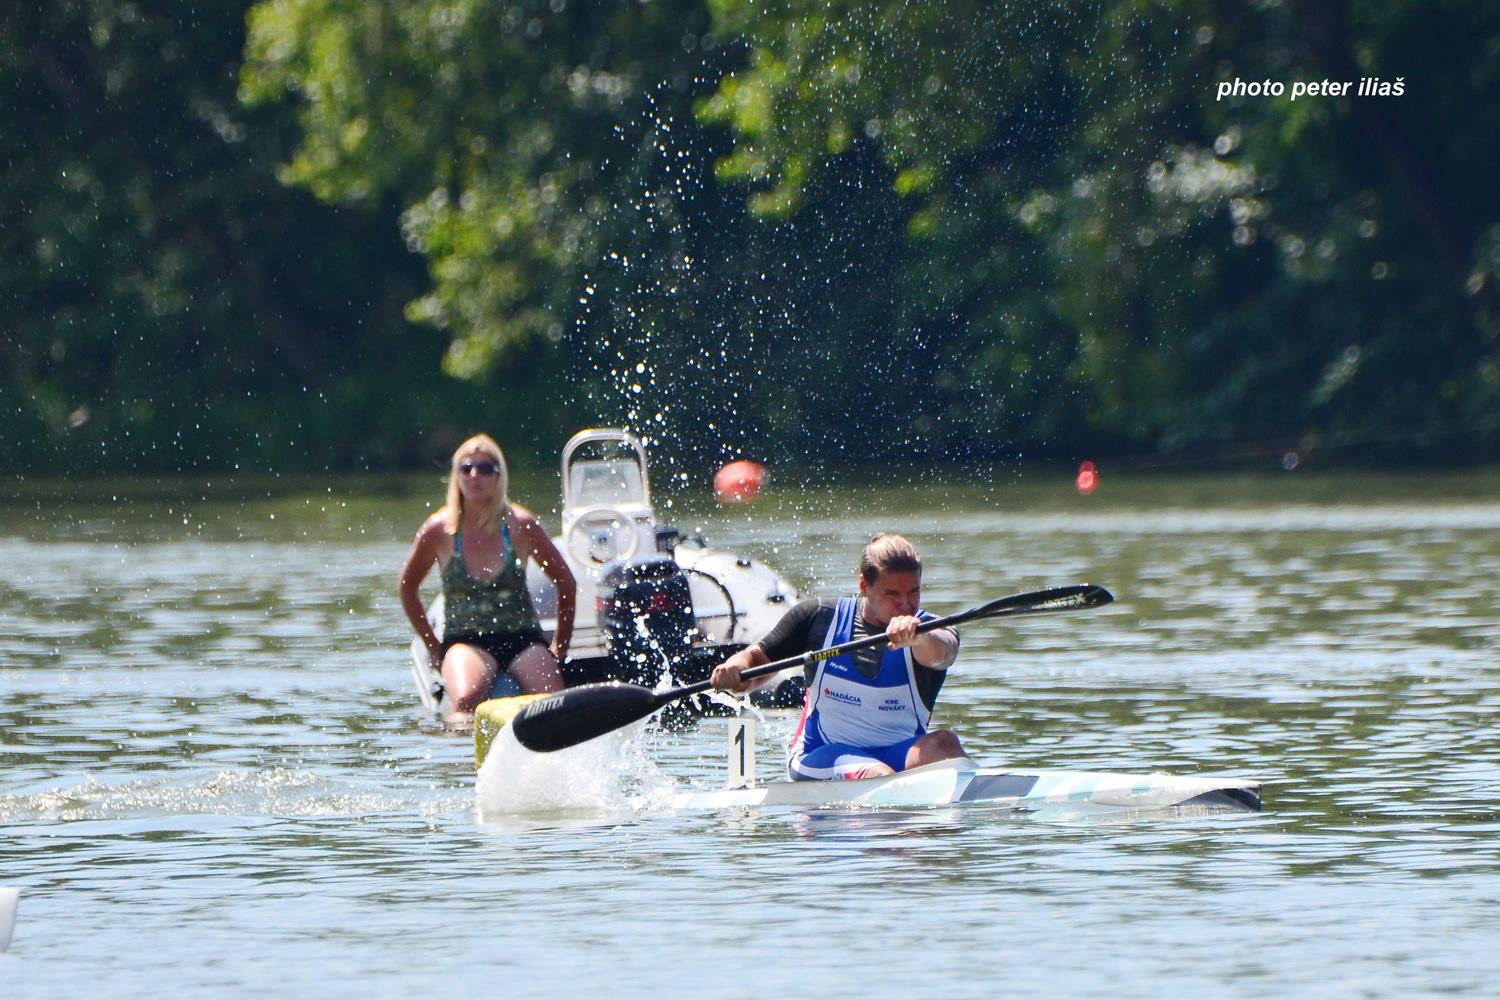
<point x="740" y="482"/>
<point x="1088" y="478"/>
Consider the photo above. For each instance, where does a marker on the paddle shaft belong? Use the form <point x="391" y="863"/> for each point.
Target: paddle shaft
<point x="570" y="717"/>
<point x="813" y="656"/>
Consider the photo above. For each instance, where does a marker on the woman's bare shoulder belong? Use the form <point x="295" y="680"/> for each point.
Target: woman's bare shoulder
<point x="432" y="544"/>
<point x="522" y="518"/>
<point x="526" y="525"/>
<point x="435" y="528"/>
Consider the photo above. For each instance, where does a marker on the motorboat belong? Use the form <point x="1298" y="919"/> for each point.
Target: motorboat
<point x="654" y="605"/>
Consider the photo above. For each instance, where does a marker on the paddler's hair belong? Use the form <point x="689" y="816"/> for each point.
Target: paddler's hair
<point x="888" y="553"/>
<point x="495" y="509"/>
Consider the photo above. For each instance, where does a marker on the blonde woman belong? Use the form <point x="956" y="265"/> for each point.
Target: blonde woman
<point x="481" y="542"/>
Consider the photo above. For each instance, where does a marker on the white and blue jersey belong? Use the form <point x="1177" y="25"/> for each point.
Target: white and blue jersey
<point x="850" y="720"/>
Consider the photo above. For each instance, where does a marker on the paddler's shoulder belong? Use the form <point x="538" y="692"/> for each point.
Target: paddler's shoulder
<point x="810" y="609"/>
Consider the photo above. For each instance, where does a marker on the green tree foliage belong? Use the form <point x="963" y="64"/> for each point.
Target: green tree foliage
<point x="168" y="303"/>
<point x="1095" y="220"/>
<point x="503" y="127"/>
<point x="555" y="178"/>
<point x="833" y="229"/>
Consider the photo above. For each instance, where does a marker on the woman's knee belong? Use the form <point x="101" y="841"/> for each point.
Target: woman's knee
<point x="467" y="674"/>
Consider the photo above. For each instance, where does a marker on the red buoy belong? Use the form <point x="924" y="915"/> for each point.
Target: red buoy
<point x="1088" y="478"/>
<point x="740" y="482"/>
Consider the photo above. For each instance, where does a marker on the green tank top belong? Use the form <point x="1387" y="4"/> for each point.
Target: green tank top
<point x="472" y="606"/>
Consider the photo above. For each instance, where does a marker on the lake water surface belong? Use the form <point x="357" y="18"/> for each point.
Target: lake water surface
<point x="214" y="777"/>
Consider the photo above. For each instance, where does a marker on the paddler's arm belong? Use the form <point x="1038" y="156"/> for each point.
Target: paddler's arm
<point x="556" y="567"/>
<point x="788" y="637"/>
<point x="424" y="552"/>
<point x="935" y="650"/>
<point x="726" y="675"/>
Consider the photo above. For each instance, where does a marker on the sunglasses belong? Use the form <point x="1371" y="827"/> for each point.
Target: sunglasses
<point x="478" y="468"/>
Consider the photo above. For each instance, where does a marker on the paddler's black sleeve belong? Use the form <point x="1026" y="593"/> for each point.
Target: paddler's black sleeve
<point x="929" y="683"/>
<point x="793" y="635"/>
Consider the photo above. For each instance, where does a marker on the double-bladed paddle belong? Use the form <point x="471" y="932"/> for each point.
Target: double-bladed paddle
<point x="570" y="717"/>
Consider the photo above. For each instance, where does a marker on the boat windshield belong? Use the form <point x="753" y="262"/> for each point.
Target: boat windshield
<point x="605" y="481"/>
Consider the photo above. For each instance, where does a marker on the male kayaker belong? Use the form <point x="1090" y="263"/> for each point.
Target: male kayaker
<point x="867" y="711"/>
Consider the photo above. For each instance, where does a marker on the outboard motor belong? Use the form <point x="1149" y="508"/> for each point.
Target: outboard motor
<point x="646" y="611"/>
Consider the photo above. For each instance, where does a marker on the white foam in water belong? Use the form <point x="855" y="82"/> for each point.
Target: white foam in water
<point x="603" y="776"/>
<point x="739" y="703"/>
<point x="275" y="791"/>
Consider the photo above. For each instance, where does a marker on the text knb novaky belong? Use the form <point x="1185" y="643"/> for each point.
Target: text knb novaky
<point x="1368" y="86"/>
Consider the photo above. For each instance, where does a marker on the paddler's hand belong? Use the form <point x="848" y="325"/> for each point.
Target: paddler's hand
<point x="901" y="631"/>
<point x="726" y="677"/>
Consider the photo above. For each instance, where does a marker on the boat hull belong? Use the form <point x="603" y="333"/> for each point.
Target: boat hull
<point x="964" y="782"/>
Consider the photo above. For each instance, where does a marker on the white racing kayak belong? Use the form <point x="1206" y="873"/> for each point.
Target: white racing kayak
<point x="946" y="783"/>
<point x="963" y="782"/>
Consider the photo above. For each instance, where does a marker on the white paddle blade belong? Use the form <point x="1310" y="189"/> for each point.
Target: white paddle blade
<point x="8" y="900"/>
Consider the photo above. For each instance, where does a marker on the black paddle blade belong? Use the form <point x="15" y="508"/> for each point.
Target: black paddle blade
<point x="1077" y="598"/>
<point x="576" y="715"/>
